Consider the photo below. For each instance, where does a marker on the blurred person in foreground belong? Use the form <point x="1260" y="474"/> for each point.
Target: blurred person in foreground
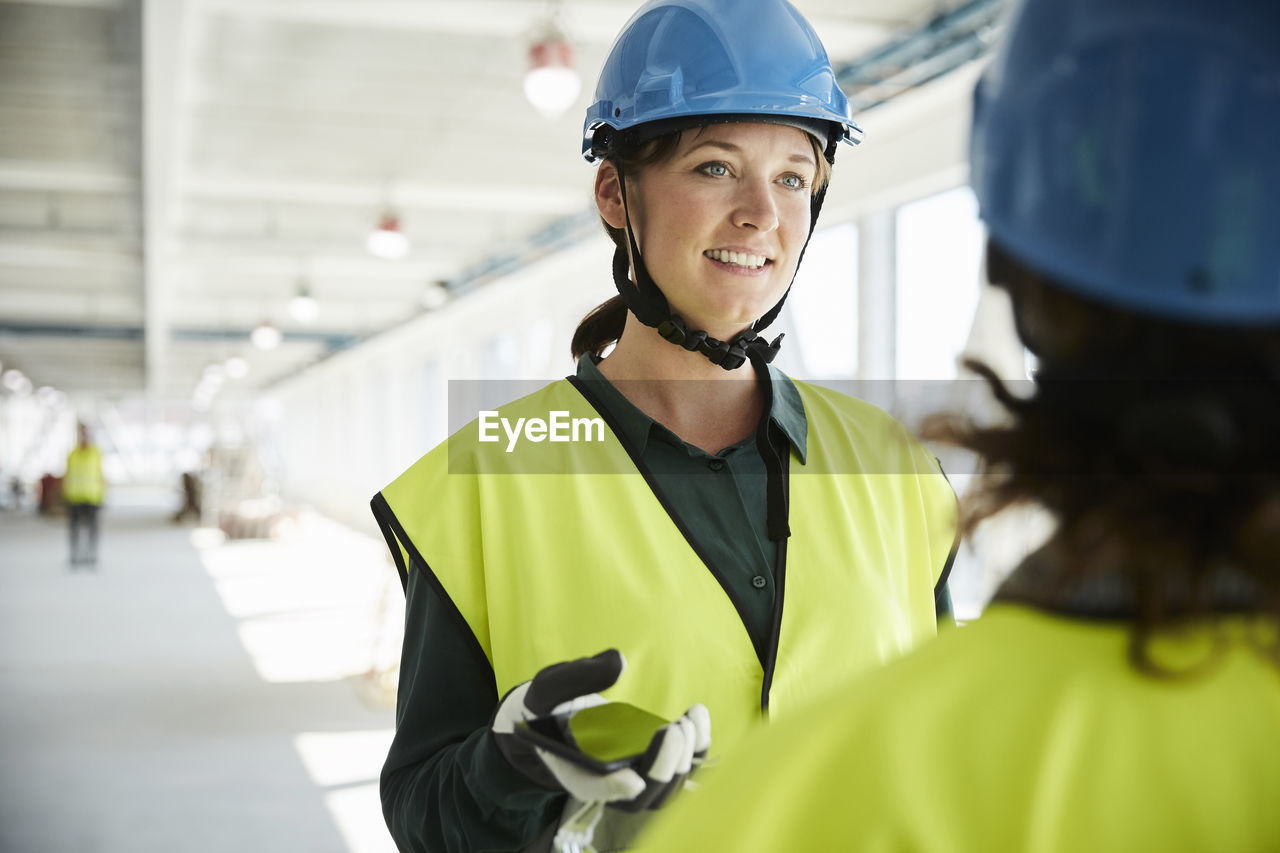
<point x="1122" y="691"/>
<point x="82" y="491"/>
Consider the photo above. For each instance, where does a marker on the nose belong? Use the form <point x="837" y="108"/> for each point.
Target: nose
<point x="756" y="207"/>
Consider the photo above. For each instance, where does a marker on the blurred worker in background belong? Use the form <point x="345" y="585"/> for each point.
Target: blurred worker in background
<point x="720" y="535"/>
<point x="82" y="490"/>
<point x="1122" y="691"/>
<point x="191" y="489"/>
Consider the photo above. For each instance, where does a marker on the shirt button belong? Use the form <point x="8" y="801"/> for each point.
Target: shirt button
<point x="715" y="464"/>
<point x="759" y="582"/>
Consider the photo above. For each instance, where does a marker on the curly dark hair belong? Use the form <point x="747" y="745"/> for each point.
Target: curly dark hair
<point x="1154" y="444"/>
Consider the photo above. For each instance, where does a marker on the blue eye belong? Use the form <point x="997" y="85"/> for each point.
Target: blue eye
<point x="795" y="182"/>
<point x="715" y="170"/>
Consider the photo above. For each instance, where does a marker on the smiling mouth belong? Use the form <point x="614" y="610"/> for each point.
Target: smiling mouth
<point x="742" y="260"/>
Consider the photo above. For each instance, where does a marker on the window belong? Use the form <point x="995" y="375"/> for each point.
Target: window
<point x="823" y="305"/>
<point x="939" y="257"/>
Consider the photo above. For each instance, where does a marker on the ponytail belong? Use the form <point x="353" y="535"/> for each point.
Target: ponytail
<point x="602" y="326"/>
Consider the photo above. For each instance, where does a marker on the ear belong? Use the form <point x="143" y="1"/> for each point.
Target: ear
<point x="609" y="195"/>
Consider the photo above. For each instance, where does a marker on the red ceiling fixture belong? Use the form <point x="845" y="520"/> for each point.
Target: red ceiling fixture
<point x="551" y="84"/>
<point x="387" y="240"/>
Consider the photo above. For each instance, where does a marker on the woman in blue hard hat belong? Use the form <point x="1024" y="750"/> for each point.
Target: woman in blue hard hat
<point x="718" y="536"/>
<point x="1122" y="692"/>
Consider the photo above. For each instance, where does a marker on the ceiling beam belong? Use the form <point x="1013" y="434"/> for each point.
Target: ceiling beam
<point x="226" y="262"/>
<point x="224" y="259"/>
<point x="99" y="258"/>
<point x="598" y="22"/>
<point x="584" y="22"/>
<point x="508" y="197"/>
<point x="77" y="331"/>
<point x="73" y="4"/>
<point x="86" y="331"/>
<point x="45" y="176"/>
<point x="167" y="49"/>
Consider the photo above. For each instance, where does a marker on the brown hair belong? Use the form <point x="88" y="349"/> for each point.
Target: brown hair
<point x="1151" y="442"/>
<point x="603" y="324"/>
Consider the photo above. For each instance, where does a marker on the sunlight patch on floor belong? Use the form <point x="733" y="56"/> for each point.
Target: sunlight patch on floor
<point x="323" y="605"/>
<point x="358" y="813"/>
<point x="343" y="758"/>
<point x="348" y="763"/>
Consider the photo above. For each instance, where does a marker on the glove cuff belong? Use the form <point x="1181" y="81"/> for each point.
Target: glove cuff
<point x="519" y="754"/>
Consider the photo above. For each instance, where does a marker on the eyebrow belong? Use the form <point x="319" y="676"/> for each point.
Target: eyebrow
<point x="729" y="146"/>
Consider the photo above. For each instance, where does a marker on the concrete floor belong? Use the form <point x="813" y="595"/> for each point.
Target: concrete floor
<point x="191" y="695"/>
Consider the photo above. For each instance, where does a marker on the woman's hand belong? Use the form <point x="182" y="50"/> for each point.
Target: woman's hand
<point x="566" y="688"/>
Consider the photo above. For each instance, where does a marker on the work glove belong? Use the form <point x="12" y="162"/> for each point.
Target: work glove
<point x="564" y="688"/>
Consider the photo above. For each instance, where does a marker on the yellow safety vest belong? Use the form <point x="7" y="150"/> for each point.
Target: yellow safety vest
<point x="560" y="550"/>
<point x="1023" y="732"/>
<point x="83" y="483"/>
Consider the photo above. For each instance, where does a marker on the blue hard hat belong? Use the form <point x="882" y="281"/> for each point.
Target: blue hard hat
<point x="685" y="62"/>
<point x="1130" y="151"/>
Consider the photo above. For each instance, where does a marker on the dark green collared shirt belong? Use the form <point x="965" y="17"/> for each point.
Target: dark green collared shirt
<point x="718" y="498"/>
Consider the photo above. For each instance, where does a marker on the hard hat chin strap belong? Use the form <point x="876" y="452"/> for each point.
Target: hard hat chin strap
<point x="747" y="345"/>
<point x="646" y="301"/>
<point x="654" y="312"/>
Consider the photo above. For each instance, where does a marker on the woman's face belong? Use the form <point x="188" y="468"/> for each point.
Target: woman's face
<point x="721" y="222"/>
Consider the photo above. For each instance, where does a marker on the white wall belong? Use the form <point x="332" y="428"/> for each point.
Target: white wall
<point x="350" y="424"/>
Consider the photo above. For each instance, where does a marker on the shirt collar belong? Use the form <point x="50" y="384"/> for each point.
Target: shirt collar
<point x="787" y="412"/>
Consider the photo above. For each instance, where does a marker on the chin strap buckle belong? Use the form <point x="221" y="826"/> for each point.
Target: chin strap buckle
<point x="727" y="354"/>
<point x="717" y="352"/>
<point x="673" y="330"/>
<point x="748" y="340"/>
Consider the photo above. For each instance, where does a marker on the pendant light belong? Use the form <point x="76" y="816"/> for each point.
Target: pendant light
<point x="386" y="240"/>
<point x="266" y="336"/>
<point x="303" y="306"/>
<point x="551" y="84"/>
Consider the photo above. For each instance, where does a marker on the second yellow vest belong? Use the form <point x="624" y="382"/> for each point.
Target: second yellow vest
<point x="83" y="483"/>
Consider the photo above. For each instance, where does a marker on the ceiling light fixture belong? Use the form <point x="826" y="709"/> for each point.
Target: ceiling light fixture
<point x="205" y="390"/>
<point x="202" y="398"/>
<point x="266" y="336"/>
<point x="551" y="84"/>
<point x="236" y="367"/>
<point x="387" y="240"/>
<point x="303" y="306"/>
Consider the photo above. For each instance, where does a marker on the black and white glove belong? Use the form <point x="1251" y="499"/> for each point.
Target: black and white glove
<point x="567" y="687"/>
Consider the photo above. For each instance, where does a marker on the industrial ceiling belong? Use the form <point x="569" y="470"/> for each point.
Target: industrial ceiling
<point x="173" y="172"/>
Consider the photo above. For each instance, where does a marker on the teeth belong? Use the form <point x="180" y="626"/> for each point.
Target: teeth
<point x="738" y="259"/>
